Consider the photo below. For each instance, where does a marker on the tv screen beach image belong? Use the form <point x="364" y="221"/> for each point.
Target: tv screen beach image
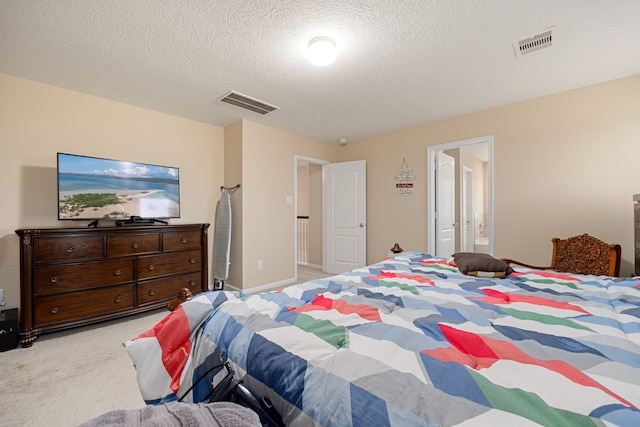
<point x="93" y="188"/>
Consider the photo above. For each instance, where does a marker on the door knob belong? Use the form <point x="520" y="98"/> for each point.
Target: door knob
<point x="361" y="225"/>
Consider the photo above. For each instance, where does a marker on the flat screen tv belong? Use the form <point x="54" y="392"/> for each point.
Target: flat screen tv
<point x="91" y="188"/>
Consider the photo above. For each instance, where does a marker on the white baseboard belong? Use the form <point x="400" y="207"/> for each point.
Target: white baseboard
<point x="268" y="286"/>
<point x="228" y="287"/>
<point x="263" y="288"/>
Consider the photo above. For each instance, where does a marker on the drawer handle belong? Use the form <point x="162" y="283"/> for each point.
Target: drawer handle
<point x="135" y="245"/>
<point x="118" y="298"/>
<point x="183" y="241"/>
<point x="151" y="292"/>
<point x="55" y="310"/>
<point x="192" y="260"/>
<point x="54" y="279"/>
<point x="192" y="283"/>
<point x="117" y="272"/>
<point x="70" y="249"/>
<point x="151" y="267"/>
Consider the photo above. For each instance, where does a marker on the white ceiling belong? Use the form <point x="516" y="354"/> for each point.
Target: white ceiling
<point x="401" y="63"/>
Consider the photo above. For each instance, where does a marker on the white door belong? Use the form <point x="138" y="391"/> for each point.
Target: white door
<point x="468" y="238"/>
<point x="345" y="216"/>
<point x="446" y="205"/>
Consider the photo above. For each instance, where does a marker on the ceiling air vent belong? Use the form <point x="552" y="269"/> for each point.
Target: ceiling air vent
<point x="534" y="43"/>
<point x="248" y="103"/>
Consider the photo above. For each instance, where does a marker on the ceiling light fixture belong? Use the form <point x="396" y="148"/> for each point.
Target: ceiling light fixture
<point x="322" y="51"/>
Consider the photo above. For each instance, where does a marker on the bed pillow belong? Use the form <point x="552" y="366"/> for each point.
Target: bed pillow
<point x="481" y="265"/>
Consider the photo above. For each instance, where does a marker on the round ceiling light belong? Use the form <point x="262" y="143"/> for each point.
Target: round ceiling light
<point x="322" y="51"/>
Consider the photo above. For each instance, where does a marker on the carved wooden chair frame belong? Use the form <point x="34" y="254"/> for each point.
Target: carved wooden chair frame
<point x="583" y="254"/>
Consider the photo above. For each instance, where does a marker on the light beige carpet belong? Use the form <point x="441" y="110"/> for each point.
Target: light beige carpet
<point x="70" y="377"/>
<point x="307" y="273"/>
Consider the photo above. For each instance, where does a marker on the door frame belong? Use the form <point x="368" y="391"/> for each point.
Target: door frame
<point x="431" y="186"/>
<point x="296" y="158"/>
<point x="467" y="240"/>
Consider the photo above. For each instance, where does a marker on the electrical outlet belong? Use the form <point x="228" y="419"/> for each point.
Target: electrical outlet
<point x="260" y="264"/>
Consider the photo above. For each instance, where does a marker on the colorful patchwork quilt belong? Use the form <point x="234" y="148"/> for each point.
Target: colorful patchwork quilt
<point x="411" y="341"/>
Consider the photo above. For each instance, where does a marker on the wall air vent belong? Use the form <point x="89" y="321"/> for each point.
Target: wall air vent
<point x="531" y="44"/>
<point x="248" y="103"/>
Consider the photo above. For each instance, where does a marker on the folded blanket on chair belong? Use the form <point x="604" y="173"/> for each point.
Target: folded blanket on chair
<point x="218" y="414"/>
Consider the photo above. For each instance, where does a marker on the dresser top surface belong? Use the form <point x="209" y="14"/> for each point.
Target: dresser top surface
<point x="115" y="229"/>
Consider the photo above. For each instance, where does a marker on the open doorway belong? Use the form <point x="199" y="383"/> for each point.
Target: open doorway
<point x="460" y="200"/>
<point x="308" y="220"/>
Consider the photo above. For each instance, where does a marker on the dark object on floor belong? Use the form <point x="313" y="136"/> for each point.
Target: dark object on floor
<point x="582" y="254"/>
<point x="232" y="390"/>
<point x="9" y="329"/>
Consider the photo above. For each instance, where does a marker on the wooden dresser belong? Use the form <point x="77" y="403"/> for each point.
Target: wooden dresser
<point x="75" y="276"/>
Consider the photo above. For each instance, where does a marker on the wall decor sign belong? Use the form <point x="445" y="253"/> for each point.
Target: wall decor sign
<point x="404" y="178"/>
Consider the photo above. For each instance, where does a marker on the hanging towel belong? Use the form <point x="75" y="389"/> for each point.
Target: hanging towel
<point x="222" y="238"/>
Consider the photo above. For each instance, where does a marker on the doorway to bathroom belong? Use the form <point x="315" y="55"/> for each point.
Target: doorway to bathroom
<point x="460" y="198"/>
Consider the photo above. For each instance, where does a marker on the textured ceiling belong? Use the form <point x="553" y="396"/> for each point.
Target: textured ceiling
<point x="400" y="63"/>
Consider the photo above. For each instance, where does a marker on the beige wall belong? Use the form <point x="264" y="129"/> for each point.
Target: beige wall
<point x="268" y="166"/>
<point x="38" y="120"/>
<point x="564" y="164"/>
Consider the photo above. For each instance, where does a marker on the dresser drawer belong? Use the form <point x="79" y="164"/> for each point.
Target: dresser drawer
<point x="47" y="249"/>
<point x="79" y="305"/>
<point x="61" y="278"/>
<point x="180" y="240"/>
<point x="167" y="288"/>
<point x="131" y="244"/>
<point x="160" y="265"/>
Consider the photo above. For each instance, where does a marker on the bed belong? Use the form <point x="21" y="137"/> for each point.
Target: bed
<point x="412" y="341"/>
